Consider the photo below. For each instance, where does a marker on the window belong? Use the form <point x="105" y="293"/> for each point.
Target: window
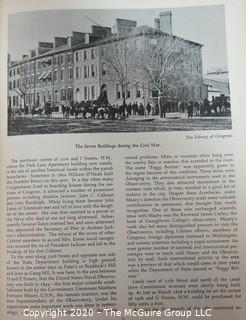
<point x="56" y="96"/>
<point x="77" y="56"/>
<point x="63" y="94"/>
<point x="77" y="72"/>
<point x="55" y="75"/>
<point x="93" y="93"/>
<point x="14" y="72"/>
<point x="85" y="93"/>
<point x="14" y="84"/>
<point x="70" y="73"/>
<point x="32" y="98"/>
<point x="118" y="92"/>
<point x="62" y="59"/>
<point x="92" y="70"/>
<point x="70" y="94"/>
<point x="92" y="53"/>
<point x="103" y="69"/>
<point x="44" y="96"/>
<point x="10" y="85"/>
<point x="38" y="98"/>
<point x="153" y="90"/>
<point x="85" y="54"/>
<point x="69" y="57"/>
<point x="62" y="74"/>
<point x="128" y="94"/>
<point x="103" y="51"/>
<point x="85" y="72"/>
<point x="77" y="95"/>
<point x="18" y="70"/>
<point x="27" y="98"/>
<point x="10" y="73"/>
<point x="138" y="90"/>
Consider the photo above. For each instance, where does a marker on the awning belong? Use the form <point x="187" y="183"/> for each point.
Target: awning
<point x="47" y="75"/>
<point x="42" y="75"/>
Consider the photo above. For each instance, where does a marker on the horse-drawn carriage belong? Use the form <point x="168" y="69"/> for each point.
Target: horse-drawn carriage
<point x="39" y="110"/>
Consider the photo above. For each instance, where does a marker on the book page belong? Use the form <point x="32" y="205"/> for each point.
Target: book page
<point x="122" y="160"/>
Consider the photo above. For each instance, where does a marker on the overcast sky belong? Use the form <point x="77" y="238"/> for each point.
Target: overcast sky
<point x="205" y="25"/>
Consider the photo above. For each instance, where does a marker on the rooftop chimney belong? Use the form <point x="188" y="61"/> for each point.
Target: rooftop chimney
<point x="44" y="44"/>
<point x="43" y="47"/>
<point x="123" y="26"/>
<point x="60" y="41"/>
<point x="78" y="35"/>
<point x="32" y="53"/>
<point x="157" y="23"/>
<point x="76" y="38"/>
<point x="87" y="38"/>
<point x="166" y="22"/>
<point x="100" y="32"/>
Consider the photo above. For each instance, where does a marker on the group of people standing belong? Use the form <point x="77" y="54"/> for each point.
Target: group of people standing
<point x="102" y="109"/>
<point x="108" y="111"/>
<point x="204" y="108"/>
<point x="196" y="108"/>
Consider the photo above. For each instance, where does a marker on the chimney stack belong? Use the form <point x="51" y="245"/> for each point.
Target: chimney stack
<point x="157" y="24"/>
<point x="60" y="41"/>
<point x="32" y="53"/>
<point x="166" y="22"/>
<point x="123" y="27"/>
<point x="87" y="38"/>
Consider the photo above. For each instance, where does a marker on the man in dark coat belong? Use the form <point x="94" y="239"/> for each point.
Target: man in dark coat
<point x="148" y="108"/>
<point x="190" y="109"/>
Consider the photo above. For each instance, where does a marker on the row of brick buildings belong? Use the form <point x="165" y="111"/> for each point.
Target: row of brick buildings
<point x="75" y="68"/>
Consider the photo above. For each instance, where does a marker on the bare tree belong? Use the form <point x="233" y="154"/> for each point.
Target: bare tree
<point x="22" y="84"/>
<point x="170" y="63"/>
<point x="118" y="58"/>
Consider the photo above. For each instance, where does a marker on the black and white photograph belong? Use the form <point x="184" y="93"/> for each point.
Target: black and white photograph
<point x="98" y="71"/>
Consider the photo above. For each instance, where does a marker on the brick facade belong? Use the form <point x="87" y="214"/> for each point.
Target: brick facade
<point x="74" y="68"/>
